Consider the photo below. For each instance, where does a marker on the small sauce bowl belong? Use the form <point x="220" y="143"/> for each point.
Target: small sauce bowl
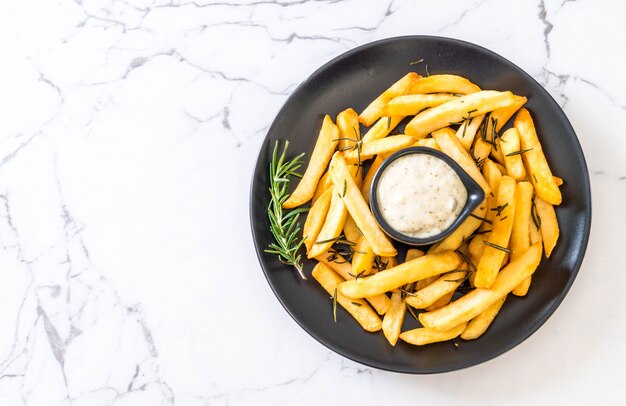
<point x="475" y="196"/>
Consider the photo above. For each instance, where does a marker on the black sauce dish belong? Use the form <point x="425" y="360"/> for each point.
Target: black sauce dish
<point x="475" y="196"/>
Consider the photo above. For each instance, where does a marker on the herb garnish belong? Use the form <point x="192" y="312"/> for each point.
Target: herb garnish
<point x="412" y="313"/>
<point x="496" y="246"/>
<point x="481" y="218"/>
<point x="335" y="305"/>
<point x="356" y="304"/>
<point x="416" y="62"/>
<point x="521" y="151"/>
<point x="499" y="209"/>
<point x="534" y="216"/>
<point x="284" y="226"/>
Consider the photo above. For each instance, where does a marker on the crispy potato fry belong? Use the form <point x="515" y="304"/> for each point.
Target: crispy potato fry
<point x="497" y="156"/>
<point x="558" y="181"/>
<point x="481" y="323"/>
<point x="392" y="278"/>
<point x="323" y="185"/>
<point x="441" y="302"/>
<point x="467" y="131"/>
<point x="549" y="225"/>
<point x="501" y="168"/>
<point x="350" y="230"/>
<point x="381" y="146"/>
<point x="335" y="219"/>
<point x="467" y="227"/>
<point x="535" y="231"/>
<point x="523" y="287"/>
<point x="492" y="258"/>
<point x="451" y="146"/>
<point x="423" y="336"/>
<point x="477" y="247"/>
<point x="493" y="177"/>
<point x="357" y="174"/>
<point x="412" y="104"/>
<point x="444" y="84"/>
<point x="520" y="234"/>
<point x="382" y="128"/>
<point x="427" y="142"/>
<point x="510" y="144"/>
<point x="392" y="322"/>
<point x="369" y="177"/>
<point x="380" y="302"/>
<point x="359" y="309"/>
<point x="441" y="287"/>
<point x="349" y="129"/>
<point x="457" y="110"/>
<point x="481" y="150"/>
<point x="322" y="152"/>
<point x="359" y="210"/>
<point x="500" y="117"/>
<point x="477" y="301"/>
<point x="536" y="165"/>
<point x="316" y="218"/>
<point x="413" y="253"/>
<point x="375" y="108"/>
<point x="362" y="258"/>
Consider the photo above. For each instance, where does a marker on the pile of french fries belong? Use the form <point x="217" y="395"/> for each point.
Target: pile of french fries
<point x="492" y="253"/>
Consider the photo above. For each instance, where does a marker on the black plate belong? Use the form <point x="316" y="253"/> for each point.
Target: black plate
<point x="353" y="80"/>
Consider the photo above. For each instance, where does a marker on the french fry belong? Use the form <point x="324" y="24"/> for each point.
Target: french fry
<point x="335" y="219"/>
<point x="412" y="104"/>
<point x="357" y="173"/>
<point x="492" y="258"/>
<point x="423" y="336"/>
<point x="446" y="284"/>
<point x="392" y="278"/>
<point x="549" y="225"/>
<point x="536" y="165"/>
<point x="457" y="110"/>
<point x="535" y="229"/>
<point x="510" y="146"/>
<point x="477" y="247"/>
<point x="477" y="301"/>
<point x="493" y="177"/>
<point x="360" y="212"/>
<point x="369" y="177"/>
<point x="375" y="108"/>
<point x="558" y="181"/>
<point x="392" y="322"/>
<point x="520" y="234"/>
<point x="362" y="258"/>
<point x="381" y="146"/>
<point x="349" y="129"/>
<point x="451" y="146"/>
<point x="359" y="309"/>
<point x="316" y="218"/>
<point x="350" y="230"/>
<point x="467" y="131"/>
<point x="481" y="150"/>
<point x="481" y="323"/>
<point x="413" y="253"/>
<point x="382" y="128"/>
<point x="427" y="142"/>
<point x="467" y="227"/>
<point x="323" y="185"/>
<point x="498" y="119"/>
<point x="444" y="84"/>
<point x="380" y="302"/>
<point x="322" y="153"/>
<point x="441" y="302"/>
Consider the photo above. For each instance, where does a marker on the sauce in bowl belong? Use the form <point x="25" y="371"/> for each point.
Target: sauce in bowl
<point x="420" y="195"/>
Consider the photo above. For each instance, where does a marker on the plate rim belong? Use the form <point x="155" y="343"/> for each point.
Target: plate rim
<point x="586" y="186"/>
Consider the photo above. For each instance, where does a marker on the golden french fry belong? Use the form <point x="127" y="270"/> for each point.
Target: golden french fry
<point x="481" y="150"/>
<point x="501" y="168"/>
<point x="380" y="303"/>
<point x="362" y="258"/>
<point x="392" y="322"/>
<point x="467" y="227"/>
<point x="392" y="278"/>
<point x="360" y="212"/>
<point x="492" y="257"/>
<point x="510" y="146"/>
<point x="451" y="146"/>
<point x="535" y="230"/>
<point x="444" y="84"/>
<point x="323" y="185"/>
<point x="520" y="234"/>
<point x="457" y="110"/>
<point x="477" y="301"/>
<point x="359" y="309"/>
<point x="549" y="225"/>
<point x="423" y="336"/>
<point x="349" y="129"/>
<point x="498" y="119"/>
<point x="477" y="247"/>
<point x="536" y="165"/>
<point x="369" y="177"/>
<point x="335" y="219"/>
<point x="350" y="230"/>
<point x="558" y="181"/>
<point x="316" y="218"/>
<point x="493" y="177"/>
<point x="481" y="323"/>
<point x="322" y="152"/>
<point x="427" y="142"/>
<point x="357" y="173"/>
<point x="467" y="131"/>
<point x="412" y="104"/>
<point x="441" y="302"/>
<point x="413" y="253"/>
<point x="382" y="128"/>
<point x="446" y="284"/>
<point x="375" y="108"/>
<point x="382" y="146"/>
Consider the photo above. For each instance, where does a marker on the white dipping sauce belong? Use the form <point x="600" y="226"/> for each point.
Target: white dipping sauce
<point x="420" y="195"/>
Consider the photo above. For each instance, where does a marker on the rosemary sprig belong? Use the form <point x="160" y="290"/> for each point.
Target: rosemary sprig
<point x="521" y="151"/>
<point x="379" y="264"/>
<point x="284" y="225"/>
<point x="357" y="304"/>
<point x="499" y="209"/>
<point x="358" y="275"/>
<point x="410" y="310"/>
<point x="534" y="216"/>
<point x="496" y="246"/>
<point x="339" y="240"/>
<point x="481" y="218"/>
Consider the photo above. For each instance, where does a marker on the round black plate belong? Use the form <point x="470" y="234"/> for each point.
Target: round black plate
<point x="353" y="80"/>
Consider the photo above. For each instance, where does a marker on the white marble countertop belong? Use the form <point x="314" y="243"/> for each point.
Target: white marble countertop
<point x="128" y="134"/>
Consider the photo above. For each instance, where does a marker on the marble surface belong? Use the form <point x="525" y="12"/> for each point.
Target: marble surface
<point x="128" y="134"/>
